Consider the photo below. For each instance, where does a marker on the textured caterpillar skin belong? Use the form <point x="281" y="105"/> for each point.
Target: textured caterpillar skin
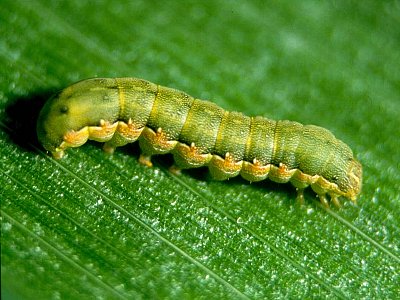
<point x="119" y="111"/>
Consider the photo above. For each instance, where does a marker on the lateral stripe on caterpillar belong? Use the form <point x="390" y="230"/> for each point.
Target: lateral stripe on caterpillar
<point x="119" y="111"/>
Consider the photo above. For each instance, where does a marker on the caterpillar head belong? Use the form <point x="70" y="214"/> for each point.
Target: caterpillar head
<point x="64" y="118"/>
<point x="53" y="123"/>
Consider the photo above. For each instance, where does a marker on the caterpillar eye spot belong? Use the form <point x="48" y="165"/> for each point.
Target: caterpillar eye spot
<point x="199" y="133"/>
<point x="64" y="109"/>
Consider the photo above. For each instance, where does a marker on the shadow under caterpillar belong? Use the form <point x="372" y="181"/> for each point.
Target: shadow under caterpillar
<point x="119" y="111"/>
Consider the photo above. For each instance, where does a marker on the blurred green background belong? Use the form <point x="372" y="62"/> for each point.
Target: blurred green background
<point x="98" y="226"/>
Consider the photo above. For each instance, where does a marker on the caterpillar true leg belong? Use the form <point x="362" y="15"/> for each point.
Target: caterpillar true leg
<point x="145" y="160"/>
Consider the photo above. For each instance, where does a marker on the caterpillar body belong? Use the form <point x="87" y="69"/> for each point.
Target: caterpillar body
<point x="198" y="133"/>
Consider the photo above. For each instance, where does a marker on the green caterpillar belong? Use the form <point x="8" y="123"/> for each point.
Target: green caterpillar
<point x="119" y="111"/>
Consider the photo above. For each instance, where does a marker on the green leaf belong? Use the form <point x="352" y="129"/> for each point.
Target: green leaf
<point x="98" y="226"/>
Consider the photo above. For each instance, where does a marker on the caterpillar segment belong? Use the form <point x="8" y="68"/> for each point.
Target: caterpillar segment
<point x="199" y="133"/>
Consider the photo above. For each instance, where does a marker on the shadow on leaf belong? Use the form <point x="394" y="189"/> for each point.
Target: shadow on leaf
<point x="21" y="118"/>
